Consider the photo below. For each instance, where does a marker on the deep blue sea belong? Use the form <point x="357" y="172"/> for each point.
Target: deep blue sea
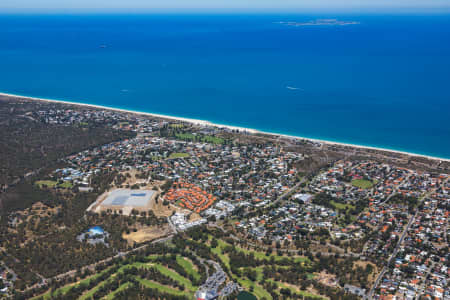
<point x="384" y="82"/>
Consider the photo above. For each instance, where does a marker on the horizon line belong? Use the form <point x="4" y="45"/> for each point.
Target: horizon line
<point x="230" y="11"/>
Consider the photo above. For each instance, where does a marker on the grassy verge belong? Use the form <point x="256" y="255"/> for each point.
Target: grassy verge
<point x="178" y="155"/>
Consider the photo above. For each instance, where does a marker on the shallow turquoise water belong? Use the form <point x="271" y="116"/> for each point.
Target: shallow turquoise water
<point x="383" y="82"/>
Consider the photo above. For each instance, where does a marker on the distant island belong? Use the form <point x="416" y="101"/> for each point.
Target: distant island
<point x="320" y="22"/>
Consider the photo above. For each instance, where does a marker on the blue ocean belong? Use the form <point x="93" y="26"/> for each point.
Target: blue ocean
<point x="384" y="82"/>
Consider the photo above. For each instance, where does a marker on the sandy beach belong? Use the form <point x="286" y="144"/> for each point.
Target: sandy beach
<point x="230" y="127"/>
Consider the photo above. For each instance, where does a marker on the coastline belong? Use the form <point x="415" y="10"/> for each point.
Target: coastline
<point x="231" y="127"/>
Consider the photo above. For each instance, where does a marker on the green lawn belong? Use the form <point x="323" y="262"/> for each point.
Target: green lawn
<point x="136" y="265"/>
<point x="257" y="254"/>
<point x="178" y="155"/>
<point x="259" y="272"/>
<point x="163" y="288"/>
<point x="342" y="206"/>
<point x="66" y="185"/>
<point x="52" y="184"/>
<point x="64" y="289"/>
<point x="258" y="290"/>
<point x="218" y="251"/>
<point x="212" y="139"/>
<point x="168" y="272"/>
<point x="91" y="292"/>
<point x="148" y="283"/>
<point x="188" y="266"/>
<point x="200" y="138"/>
<point x="175" y="276"/>
<point x="362" y="183"/>
<point x="185" y="136"/>
<point x="120" y="288"/>
<point x="48" y="183"/>
<point x="190" y="289"/>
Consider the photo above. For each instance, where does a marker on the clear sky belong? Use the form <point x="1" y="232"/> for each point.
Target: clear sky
<point x="222" y="5"/>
